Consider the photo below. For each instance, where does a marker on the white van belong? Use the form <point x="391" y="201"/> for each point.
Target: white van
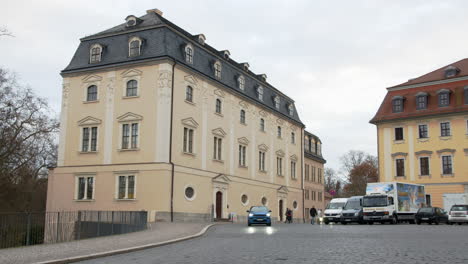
<point x="333" y="210"/>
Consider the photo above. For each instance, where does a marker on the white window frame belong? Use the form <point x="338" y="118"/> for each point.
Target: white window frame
<point x="260" y="93"/>
<point x="217" y="148"/>
<point x="450" y="128"/>
<point x="91" y="52"/>
<point x="130" y="135"/>
<point x="139" y="47"/>
<point x="277" y="102"/>
<point x="279" y="166"/>
<point x="424" y="124"/>
<point x="217" y="67"/>
<point x="189" y="59"/>
<point x="77" y="181"/>
<point x="137" y="88"/>
<point x="90" y="138"/>
<point x="86" y="93"/>
<point x="293" y="169"/>
<point x="261" y="161"/>
<point x="241" y="82"/>
<point x="117" y="182"/>
<point x="242" y="155"/>
<point x="429" y="165"/>
<point x="194" y="192"/>
<point x="291" y="110"/>
<point x="186" y="147"/>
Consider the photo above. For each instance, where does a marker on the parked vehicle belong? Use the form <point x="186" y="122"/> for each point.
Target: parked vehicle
<point x="431" y="215"/>
<point x="259" y="215"/>
<point x="333" y="210"/>
<point x="352" y="211"/>
<point x="392" y="202"/>
<point x="451" y="199"/>
<point x="458" y="214"/>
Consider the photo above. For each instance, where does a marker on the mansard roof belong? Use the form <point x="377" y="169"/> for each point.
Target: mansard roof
<point x="164" y="40"/>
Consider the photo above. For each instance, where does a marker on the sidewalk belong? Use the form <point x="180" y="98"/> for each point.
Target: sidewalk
<point x="156" y="233"/>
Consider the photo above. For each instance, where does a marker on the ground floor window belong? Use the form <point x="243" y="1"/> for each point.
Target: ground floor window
<point x="126" y="187"/>
<point x="85" y="188"/>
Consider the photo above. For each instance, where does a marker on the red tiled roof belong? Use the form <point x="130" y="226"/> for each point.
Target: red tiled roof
<point x="439" y="74"/>
<point x="457" y="102"/>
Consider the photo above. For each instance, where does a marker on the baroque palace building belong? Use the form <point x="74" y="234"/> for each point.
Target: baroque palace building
<point x="153" y="118"/>
<point x="422" y="128"/>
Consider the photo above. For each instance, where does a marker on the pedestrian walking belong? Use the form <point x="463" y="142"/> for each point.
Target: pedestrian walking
<point x="289" y="215"/>
<point x="313" y="215"/>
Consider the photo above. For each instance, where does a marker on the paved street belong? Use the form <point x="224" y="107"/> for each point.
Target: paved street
<point x="300" y="243"/>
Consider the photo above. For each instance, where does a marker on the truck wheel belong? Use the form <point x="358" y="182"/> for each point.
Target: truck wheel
<point x="395" y="220"/>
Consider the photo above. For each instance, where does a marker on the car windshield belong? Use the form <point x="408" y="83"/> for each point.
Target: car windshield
<point x="335" y="205"/>
<point x="425" y="210"/>
<point x="353" y="204"/>
<point x="459" y="208"/>
<point x="258" y="209"/>
<point x="374" y="201"/>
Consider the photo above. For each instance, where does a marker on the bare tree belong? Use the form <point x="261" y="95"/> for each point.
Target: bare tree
<point x="360" y="168"/>
<point x="27" y="146"/>
<point x="333" y="183"/>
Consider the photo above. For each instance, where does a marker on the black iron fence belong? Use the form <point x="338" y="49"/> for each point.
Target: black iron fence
<point x="24" y="229"/>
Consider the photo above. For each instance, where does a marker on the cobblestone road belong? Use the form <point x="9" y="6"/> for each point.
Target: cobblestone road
<point x="301" y="243"/>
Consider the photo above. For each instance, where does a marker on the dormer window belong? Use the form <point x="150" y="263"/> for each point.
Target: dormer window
<point x="217" y="69"/>
<point x="226" y="54"/>
<point x="241" y="82"/>
<point x="397" y="104"/>
<point x="421" y="101"/>
<point x="189" y="53"/>
<point x="263" y="77"/>
<point x="260" y="93"/>
<point x="131" y="21"/>
<point x="291" y="109"/>
<point x="444" y="97"/>
<point x="134" y="47"/>
<point x="95" y="53"/>
<point x="277" y="102"/>
<point x="201" y="39"/>
<point x="451" y="71"/>
<point x="246" y="66"/>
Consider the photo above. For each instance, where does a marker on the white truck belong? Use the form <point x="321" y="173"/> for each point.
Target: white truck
<point x="392" y="202"/>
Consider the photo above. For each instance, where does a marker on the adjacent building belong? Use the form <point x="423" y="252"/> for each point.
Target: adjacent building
<point x="153" y="118"/>
<point x="422" y="128"/>
<point x="313" y="174"/>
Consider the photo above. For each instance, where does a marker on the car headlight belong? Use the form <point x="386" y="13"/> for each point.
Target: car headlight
<point x="250" y="215"/>
<point x="268" y="214"/>
<point x="356" y="214"/>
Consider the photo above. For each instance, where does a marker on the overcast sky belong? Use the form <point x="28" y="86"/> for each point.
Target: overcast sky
<point x="334" y="58"/>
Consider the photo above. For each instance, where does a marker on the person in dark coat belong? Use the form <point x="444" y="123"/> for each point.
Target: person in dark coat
<point x="288" y="215"/>
<point x="313" y="215"/>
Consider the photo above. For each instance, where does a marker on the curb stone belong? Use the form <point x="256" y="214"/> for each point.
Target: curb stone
<point x="124" y="250"/>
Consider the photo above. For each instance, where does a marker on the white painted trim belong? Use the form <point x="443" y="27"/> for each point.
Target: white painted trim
<point x="194" y="192"/>
<point x="116" y="178"/>
<point x="429" y="165"/>
<point x="248" y="199"/>
<point x="396" y="168"/>
<point x="442" y="163"/>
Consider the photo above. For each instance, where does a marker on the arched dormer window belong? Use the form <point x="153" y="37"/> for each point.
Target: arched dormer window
<point x="421" y="100"/>
<point x="189" y="53"/>
<point x="132" y="88"/>
<point x="260" y="93"/>
<point x="277" y="102"/>
<point x="241" y="82"/>
<point x="95" y="53"/>
<point x="217" y="69"/>
<point x="444" y="97"/>
<point x="451" y="71"/>
<point x="134" y="47"/>
<point x="242" y="117"/>
<point x="397" y="104"/>
<point x="291" y="109"/>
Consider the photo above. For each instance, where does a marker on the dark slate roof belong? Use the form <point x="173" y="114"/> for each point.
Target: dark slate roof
<point x="310" y="154"/>
<point x="163" y="39"/>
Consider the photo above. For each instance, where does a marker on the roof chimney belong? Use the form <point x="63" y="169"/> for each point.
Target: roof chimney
<point x="155" y="10"/>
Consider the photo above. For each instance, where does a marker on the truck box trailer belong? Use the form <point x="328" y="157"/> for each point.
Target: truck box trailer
<point x="392" y="202"/>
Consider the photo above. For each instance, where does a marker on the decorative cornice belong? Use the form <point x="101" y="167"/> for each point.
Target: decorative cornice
<point x="243" y="141"/>
<point x="190" y="122"/>
<point x="263" y="147"/>
<point x="219" y="132"/>
<point x="280" y="153"/>
<point x="445" y="150"/>
<point x="404" y="154"/>
<point x="89" y="120"/>
<point x="129" y="117"/>
<point x="423" y="152"/>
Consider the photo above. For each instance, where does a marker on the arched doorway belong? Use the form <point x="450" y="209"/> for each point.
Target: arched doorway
<point x="280" y="210"/>
<point x="219" y="205"/>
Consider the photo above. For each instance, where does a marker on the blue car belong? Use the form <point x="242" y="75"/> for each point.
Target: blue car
<point x="259" y="215"/>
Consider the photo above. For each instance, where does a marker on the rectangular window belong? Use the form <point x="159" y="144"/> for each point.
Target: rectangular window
<point x="126" y="187"/>
<point x="279" y="166"/>
<point x="423" y="131"/>
<point x="445" y="129"/>
<point x="313" y="174"/>
<point x="125" y="136"/>
<point x="398" y="133"/>
<point x="320" y="196"/>
<point x="424" y="166"/>
<point x="421" y="102"/>
<point x="217" y="149"/>
<point x="134" y="135"/>
<point x="188" y="140"/>
<point x="397" y="105"/>
<point x="319" y="176"/>
<point x="293" y="170"/>
<point x="261" y="161"/>
<point x="400" y="167"/>
<point x="307" y="172"/>
<point x="447" y="165"/>
<point x="242" y="154"/>
<point x="130" y="136"/>
<point x="306" y="194"/>
<point x="85" y="142"/>
<point x="89" y="139"/>
<point x="293" y="138"/>
<point x="444" y="99"/>
<point x="85" y="188"/>
<point x="466" y="95"/>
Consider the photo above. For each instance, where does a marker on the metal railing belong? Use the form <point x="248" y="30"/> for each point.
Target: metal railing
<point x="24" y="229"/>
